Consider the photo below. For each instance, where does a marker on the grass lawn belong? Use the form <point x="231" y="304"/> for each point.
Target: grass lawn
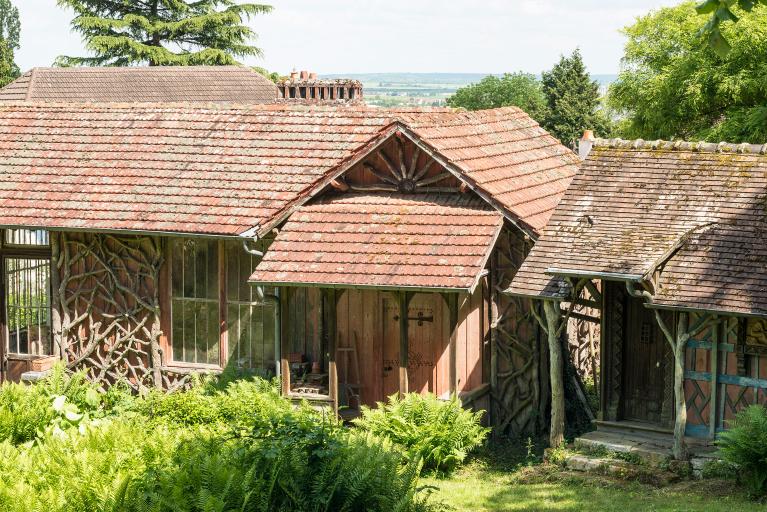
<point x="500" y="481"/>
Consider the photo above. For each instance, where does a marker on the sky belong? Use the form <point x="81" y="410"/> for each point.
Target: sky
<point x="367" y="36"/>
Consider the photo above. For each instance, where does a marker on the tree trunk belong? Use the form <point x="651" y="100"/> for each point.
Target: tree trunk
<point x="553" y="318"/>
<point x="680" y="448"/>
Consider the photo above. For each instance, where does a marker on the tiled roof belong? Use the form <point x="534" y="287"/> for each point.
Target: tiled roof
<point x="191" y="84"/>
<point x="384" y="240"/>
<point x="173" y="169"/>
<point x="694" y="212"/>
<point x="504" y="153"/>
<point x="226" y="169"/>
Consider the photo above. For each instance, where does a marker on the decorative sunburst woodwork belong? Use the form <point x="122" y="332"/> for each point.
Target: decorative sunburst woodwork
<point x="402" y="167"/>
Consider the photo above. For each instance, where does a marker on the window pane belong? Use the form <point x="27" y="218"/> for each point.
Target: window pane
<point x="36" y="237"/>
<point x="28" y="305"/>
<point x="195" y="302"/>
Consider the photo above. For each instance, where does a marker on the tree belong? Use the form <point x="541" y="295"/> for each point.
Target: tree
<point x="10" y="29"/>
<point x="163" y="32"/>
<point x="512" y="89"/>
<point x="722" y="10"/>
<point x="573" y="102"/>
<point x="673" y="85"/>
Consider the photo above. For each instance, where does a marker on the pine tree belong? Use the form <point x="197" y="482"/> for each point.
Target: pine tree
<point x="10" y="28"/>
<point x="163" y="32"/>
<point x="573" y="100"/>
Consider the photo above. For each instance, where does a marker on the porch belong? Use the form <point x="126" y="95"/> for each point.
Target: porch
<point x="345" y="348"/>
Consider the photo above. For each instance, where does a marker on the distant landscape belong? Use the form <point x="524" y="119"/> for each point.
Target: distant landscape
<point x="421" y="89"/>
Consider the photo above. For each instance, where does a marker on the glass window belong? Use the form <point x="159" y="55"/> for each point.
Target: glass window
<point x="26" y="237"/>
<point x="194" y="301"/>
<point x="27" y="282"/>
<point x="251" y="319"/>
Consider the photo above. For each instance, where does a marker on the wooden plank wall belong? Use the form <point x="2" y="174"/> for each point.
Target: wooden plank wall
<point x="361" y="317"/>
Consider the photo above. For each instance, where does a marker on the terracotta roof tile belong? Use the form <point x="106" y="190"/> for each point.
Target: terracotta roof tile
<point x="504" y="153"/>
<point x="191" y="84"/>
<point x="696" y="211"/>
<point x="384" y="240"/>
<point x="229" y="168"/>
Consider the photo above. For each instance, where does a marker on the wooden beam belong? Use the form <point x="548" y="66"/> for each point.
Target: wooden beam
<point x="452" y="305"/>
<point x="58" y="343"/>
<point x="712" y="403"/>
<point x="284" y="337"/>
<point x="339" y="185"/>
<point x="331" y="301"/>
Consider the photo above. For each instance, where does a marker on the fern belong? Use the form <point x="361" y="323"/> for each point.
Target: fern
<point x="745" y="446"/>
<point x="441" y="432"/>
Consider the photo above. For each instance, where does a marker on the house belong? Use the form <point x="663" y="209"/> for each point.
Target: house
<point x="671" y="235"/>
<point x="380" y="241"/>
<point x="167" y="84"/>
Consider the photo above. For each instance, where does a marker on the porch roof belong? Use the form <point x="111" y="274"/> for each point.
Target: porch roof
<point x="694" y="214"/>
<point x="230" y="169"/>
<point x="379" y="240"/>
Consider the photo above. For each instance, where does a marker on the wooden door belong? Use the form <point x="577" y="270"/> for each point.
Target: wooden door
<point x="644" y="366"/>
<point x="422" y="330"/>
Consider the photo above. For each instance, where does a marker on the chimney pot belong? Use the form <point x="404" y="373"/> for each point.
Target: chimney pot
<point x="312" y="76"/>
<point x="585" y="144"/>
<point x="304" y="75"/>
<point x="293" y="75"/>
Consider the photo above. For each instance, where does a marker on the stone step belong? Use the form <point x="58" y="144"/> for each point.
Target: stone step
<point x="647" y="448"/>
<point x="619" y="469"/>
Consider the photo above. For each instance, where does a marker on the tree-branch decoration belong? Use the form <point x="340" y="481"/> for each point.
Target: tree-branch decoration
<point x="108" y="296"/>
<point x="403" y="174"/>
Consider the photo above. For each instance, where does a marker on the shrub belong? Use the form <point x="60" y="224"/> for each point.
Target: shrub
<point x="441" y="432"/>
<point x="745" y="446"/>
<point x="24" y="411"/>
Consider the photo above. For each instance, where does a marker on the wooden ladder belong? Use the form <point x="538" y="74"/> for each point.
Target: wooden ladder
<point x="349" y="356"/>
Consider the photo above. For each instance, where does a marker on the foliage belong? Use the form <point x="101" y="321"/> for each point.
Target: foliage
<point x="721" y="11"/>
<point x="10" y="30"/>
<point x="23" y="412"/>
<point x="441" y="432"/>
<point x="271" y="75"/>
<point x="142" y="456"/>
<point x="573" y="103"/>
<point x="745" y="445"/>
<point x="512" y="89"/>
<point x="163" y="32"/>
<point x="674" y="86"/>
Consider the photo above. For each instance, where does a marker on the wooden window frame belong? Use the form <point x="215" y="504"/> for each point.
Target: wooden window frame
<point x="167" y="303"/>
<point x="14" y="251"/>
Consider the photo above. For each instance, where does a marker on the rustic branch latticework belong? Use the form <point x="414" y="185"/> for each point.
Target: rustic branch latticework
<point x="108" y="299"/>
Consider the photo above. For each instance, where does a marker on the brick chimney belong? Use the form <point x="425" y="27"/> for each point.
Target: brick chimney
<point x="585" y="144"/>
<point x="306" y="87"/>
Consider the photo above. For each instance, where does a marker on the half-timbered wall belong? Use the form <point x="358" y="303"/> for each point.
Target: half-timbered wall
<point x="737" y="349"/>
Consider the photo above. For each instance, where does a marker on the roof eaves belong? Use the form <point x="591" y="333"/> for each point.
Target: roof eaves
<point x="346" y="286"/>
<point x="689" y="309"/>
<point x="486" y="257"/>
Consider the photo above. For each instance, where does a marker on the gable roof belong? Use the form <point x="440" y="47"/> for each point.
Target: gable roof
<point x="229" y="169"/>
<point x="384" y="240"/>
<point x="191" y="84"/>
<point x="505" y="154"/>
<point x="696" y="213"/>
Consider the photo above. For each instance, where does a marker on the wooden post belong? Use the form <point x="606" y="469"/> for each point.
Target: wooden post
<point x="331" y="297"/>
<point x="58" y="342"/>
<point x="452" y="304"/>
<point x="714" y="380"/>
<point x="284" y="349"/>
<point x="404" y="299"/>
<point x="680" y="425"/>
<point x="553" y="319"/>
<point x="223" y="326"/>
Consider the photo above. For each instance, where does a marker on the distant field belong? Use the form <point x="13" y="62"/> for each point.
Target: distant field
<point x="423" y="89"/>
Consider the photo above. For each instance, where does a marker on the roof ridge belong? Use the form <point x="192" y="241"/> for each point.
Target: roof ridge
<point x="680" y="145"/>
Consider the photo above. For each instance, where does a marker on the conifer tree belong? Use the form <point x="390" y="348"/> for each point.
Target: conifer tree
<point x="163" y="32"/>
<point x="10" y="28"/>
<point x="573" y="100"/>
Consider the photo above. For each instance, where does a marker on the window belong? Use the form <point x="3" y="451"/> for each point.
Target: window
<point x="26" y="266"/>
<point x="251" y="318"/>
<point x="196" y="312"/>
<point x="195" y="301"/>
